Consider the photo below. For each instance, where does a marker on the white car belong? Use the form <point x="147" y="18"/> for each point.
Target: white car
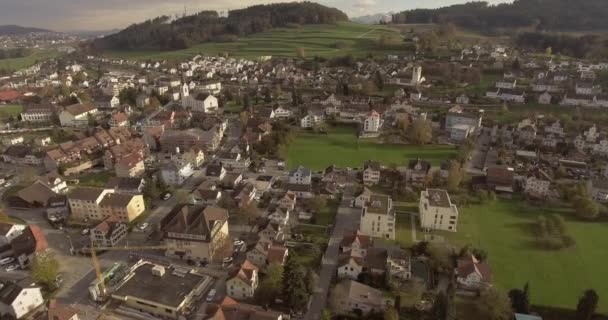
<point x="211" y="295"/>
<point x="143" y="226"/>
<point x="12" y="267"/>
<point x="228" y="260"/>
<point x="238" y="243"/>
<point x="6" y="261"/>
<point x="85" y="232"/>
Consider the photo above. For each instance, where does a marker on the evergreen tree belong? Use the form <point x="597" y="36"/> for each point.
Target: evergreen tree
<point x="587" y="305"/>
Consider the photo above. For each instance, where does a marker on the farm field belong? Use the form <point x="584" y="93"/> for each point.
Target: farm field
<point x="320" y="40"/>
<point x="26" y="62"/>
<point x="342" y="148"/>
<point x="505" y="229"/>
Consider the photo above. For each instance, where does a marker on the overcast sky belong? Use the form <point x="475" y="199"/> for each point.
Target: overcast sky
<point x="70" y="15"/>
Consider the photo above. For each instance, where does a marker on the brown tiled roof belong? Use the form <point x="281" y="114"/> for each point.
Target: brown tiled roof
<point x="500" y="175"/>
<point x="276" y="254"/>
<point x="58" y="311"/>
<point x="87" y="194"/>
<point x="356" y="236"/>
<point x="79" y="108"/>
<point x="471" y="265"/>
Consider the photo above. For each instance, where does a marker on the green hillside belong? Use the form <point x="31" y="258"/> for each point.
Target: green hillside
<point x="322" y="40"/>
<point x="25" y="62"/>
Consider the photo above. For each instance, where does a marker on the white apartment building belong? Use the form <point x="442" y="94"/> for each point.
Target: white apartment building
<point x="437" y="211"/>
<point x="378" y="217"/>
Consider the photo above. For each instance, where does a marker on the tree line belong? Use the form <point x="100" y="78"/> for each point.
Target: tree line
<point x="14" y="53"/>
<point x="542" y="14"/>
<point x="163" y="34"/>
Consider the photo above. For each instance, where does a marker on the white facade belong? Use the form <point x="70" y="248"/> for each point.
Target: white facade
<point x="436" y="210"/>
<point x="26" y="301"/>
<point x="378" y="217"/>
<point x="372" y="122"/>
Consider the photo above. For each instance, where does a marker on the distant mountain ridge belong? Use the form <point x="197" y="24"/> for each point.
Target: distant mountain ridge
<point x="162" y="33"/>
<point x="545" y="15"/>
<point x="373" y="18"/>
<point x="15" y="30"/>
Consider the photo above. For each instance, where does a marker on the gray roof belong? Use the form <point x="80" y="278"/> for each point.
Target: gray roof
<point x="302" y="171"/>
<point x="170" y="289"/>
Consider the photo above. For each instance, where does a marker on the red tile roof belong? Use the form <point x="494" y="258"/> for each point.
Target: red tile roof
<point x="9" y="95"/>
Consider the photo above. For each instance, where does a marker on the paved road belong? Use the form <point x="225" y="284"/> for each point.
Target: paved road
<point x="347" y="219"/>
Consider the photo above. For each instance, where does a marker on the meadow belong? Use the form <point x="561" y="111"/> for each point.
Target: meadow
<point x="26" y="62"/>
<point x="316" y="40"/>
<point x="505" y="230"/>
<point x="342" y="148"/>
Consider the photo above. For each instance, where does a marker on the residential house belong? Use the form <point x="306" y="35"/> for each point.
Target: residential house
<point x="300" y="175"/>
<point x="350" y="267"/>
<point x="243" y="282"/>
<point x="598" y="189"/>
<point x="473" y="275"/>
<point x="362" y="197"/>
<point x="126" y="185"/>
<point x="229" y="309"/>
<point x="371" y="173"/>
<point x="59" y="311"/>
<point x="437" y="212"/>
<point x="197" y="233"/>
<point x="108" y="232"/>
<point x="372" y="122"/>
<point x="537" y="184"/>
<point x="175" y="173"/>
<point x="312" y="119"/>
<point x="417" y="171"/>
<point x="378" y="217"/>
<point x="130" y="166"/>
<point x="500" y="179"/>
<point x="357" y="297"/>
<point x="398" y="265"/>
<point x="205" y="103"/>
<point x="288" y="201"/>
<point x="119" y="119"/>
<point x="355" y="244"/>
<point x="10" y="231"/>
<point x="18" y="300"/>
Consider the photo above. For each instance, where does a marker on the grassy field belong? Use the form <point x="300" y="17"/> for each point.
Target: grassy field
<point x="7" y="110"/>
<point x="355" y="39"/>
<point x="505" y="230"/>
<point x="26" y="62"/>
<point x="95" y="179"/>
<point x="342" y="148"/>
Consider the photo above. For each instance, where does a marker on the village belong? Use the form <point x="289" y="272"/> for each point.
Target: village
<point x="179" y="190"/>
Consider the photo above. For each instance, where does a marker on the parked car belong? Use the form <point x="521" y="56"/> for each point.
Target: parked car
<point x="11" y="267"/>
<point x="142" y="226"/>
<point x="166" y="196"/>
<point x="6" y="261"/>
<point x="228" y="260"/>
<point x="85" y="232"/>
<point x="238" y="243"/>
<point x="211" y="295"/>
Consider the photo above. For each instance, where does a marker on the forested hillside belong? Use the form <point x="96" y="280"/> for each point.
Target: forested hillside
<point x="544" y="15"/>
<point x="164" y="34"/>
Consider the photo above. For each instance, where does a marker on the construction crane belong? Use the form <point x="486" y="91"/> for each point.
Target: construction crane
<point x="93" y="250"/>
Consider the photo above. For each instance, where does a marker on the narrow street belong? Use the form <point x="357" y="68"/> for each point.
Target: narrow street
<point x="347" y="219"/>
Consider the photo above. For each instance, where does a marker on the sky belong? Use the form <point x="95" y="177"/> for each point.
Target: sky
<point x="81" y="15"/>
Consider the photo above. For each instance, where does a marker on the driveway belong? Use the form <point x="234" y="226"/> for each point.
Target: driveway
<point x="347" y="219"/>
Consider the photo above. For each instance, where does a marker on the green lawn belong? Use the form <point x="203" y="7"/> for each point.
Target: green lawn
<point x="95" y="179"/>
<point x="26" y="62"/>
<point x="356" y="39"/>
<point x="327" y="216"/>
<point x="7" y="110"/>
<point x="557" y="278"/>
<point x="342" y="148"/>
